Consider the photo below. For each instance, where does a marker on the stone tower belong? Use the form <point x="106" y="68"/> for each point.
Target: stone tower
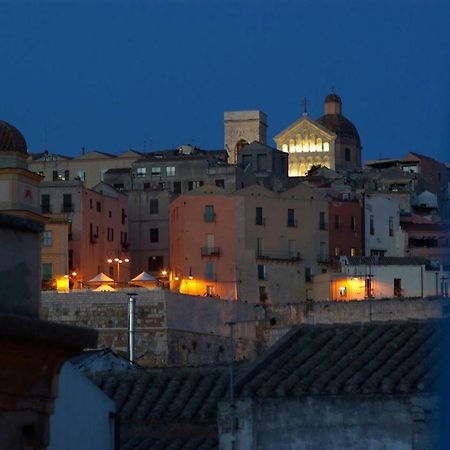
<point x="241" y="128"/>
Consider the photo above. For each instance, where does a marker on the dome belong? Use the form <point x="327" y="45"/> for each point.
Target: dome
<point x="11" y="139"/>
<point x="340" y="125"/>
<point x="333" y="98"/>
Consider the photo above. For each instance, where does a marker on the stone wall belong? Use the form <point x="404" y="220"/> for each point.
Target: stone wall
<point x="279" y="318"/>
<point x="171" y="329"/>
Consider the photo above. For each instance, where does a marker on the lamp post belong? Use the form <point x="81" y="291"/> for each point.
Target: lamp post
<point x="118" y="262"/>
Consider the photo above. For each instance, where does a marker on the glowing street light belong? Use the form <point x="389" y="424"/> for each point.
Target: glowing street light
<point x="118" y="262"/>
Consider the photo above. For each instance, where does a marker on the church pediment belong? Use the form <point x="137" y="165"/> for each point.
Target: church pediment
<point x="304" y="126"/>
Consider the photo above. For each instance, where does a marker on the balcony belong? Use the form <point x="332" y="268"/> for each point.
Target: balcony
<point x="210" y="251"/>
<point x="277" y="256"/>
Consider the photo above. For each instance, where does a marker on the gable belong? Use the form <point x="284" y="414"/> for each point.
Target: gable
<point x="302" y="126"/>
<point x="96" y="155"/>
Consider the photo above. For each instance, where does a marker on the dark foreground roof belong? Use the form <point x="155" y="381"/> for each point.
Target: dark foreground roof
<point x="167" y="408"/>
<point x="355" y="359"/>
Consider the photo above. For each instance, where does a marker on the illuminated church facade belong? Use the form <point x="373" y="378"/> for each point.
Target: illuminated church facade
<point x="331" y="141"/>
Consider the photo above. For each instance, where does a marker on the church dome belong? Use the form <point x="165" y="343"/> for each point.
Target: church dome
<point x="340" y="125"/>
<point x="11" y="139"/>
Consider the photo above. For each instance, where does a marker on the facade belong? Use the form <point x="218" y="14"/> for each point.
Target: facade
<point x="89" y="167"/>
<point x="97" y="231"/>
<point x="84" y="415"/>
<point x="345" y="228"/>
<point x="269" y="165"/>
<point x="362" y="278"/>
<point x="241" y="128"/>
<point x="331" y="141"/>
<point x="246" y="245"/>
<point x="383" y="235"/>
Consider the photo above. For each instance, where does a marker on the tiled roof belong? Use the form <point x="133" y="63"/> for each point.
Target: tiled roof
<point x="11" y="139"/>
<point x="349" y="359"/>
<point x="166" y="408"/>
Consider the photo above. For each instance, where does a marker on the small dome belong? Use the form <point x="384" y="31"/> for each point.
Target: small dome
<point x="11" y="139"/>
<point x="340" y="125"/>
<point x="333" y="98"/>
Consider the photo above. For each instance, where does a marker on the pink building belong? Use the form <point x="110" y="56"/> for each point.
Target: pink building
<point x="98" y="229"/>
<point x="203" y="243"/>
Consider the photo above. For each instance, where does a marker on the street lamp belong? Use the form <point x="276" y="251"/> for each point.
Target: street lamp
<point x="118" y="262"/>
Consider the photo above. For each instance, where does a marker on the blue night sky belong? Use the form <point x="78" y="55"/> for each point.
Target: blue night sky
<point x="109" y="75"/>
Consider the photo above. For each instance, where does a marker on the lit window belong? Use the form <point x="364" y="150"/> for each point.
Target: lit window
<point x="47" y="238"/>
<point x="170" y="171"/>
<point x="141" y="172"/>
<point x="156" y="171"/>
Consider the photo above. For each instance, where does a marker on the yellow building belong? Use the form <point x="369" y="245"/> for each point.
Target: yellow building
<point x="54" y="254"/>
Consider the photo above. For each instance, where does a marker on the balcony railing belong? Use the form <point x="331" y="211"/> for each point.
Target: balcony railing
<point x="278" y="256"/>
<point x="210" y="251"/>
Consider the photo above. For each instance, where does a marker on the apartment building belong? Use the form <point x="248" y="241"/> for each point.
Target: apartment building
<point x="97" y="231"/>
<point x="252" y="245"/>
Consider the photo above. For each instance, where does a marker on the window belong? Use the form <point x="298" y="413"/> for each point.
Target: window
<point x="353" y="252"/>
<point x="155" y="171"/>
<point x="90" y="203"/>
<point x="47" y="271"/>
<point x="261" y="272"/>
<point x="210" y="241"/>
<point x="391" y="226"/>
<point x="170" y="171"/>
<point x="155" y="263"/>
<point x="82" y="175"/>
<point x="343" y="291"/>
<point x="45" y="204"/>
<point x="154" y="206"/>
<point x="261" y="162"/>
<point x="372" y="225"/>
<point x="55" y="175"/>
<point x="322" y="224"/>
<point x="71" y="266"/>
<point x="177" y="187"/>
<point x="263" y="294"/>
<point x="210" y="216"/>
<point x="154" y="235"/>
<point x="194" y="185"/>
<point x="210" y="290"/>
<point x="66" y="175"/>
<point x="259" y="246"/>
<point x="259" y="216"/>
<point x="348" y="154"/>
<point x="123" y="216"/>
<point x="210" y="275"/>
<point x="291" y="249"/>
<point x="47" y="238"/>
<point x="308" y="275"/>
<point x="291" y="218"/>
<point x="337" y="251"/>
<point x="398" y="287"/>
<point x="67" y="203"/>
<point x="353" y="223"/>
<point x="99" y="207"/>
<point x="220" y="183"/>
<point x="141" y="171"/>
<point x="337" y="222"/>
